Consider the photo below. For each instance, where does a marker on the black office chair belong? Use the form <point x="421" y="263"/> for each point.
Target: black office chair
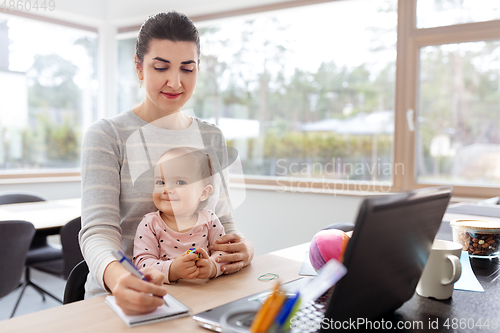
<point x="75" y="286"/>
<point x="72" y="254"/>
<point x="41" y="254"/>
<point x="345" y="227"/>
<point x="7" y="198"/>
<point x="15" y="239"/>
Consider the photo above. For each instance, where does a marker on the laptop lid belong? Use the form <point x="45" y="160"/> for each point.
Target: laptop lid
<point x="386" y="255"/>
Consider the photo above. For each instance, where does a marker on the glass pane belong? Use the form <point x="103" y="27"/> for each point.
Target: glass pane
<point x="48" y="90"/>
<point x="458" y="137"/>
<point x="303" y="93"/>
<point x="129" y="93"/>
<point x="438" y="13"/>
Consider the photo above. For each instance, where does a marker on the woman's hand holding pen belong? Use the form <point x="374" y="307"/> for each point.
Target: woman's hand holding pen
<point x="240" y="252"/>
<point x="134" y="295"/>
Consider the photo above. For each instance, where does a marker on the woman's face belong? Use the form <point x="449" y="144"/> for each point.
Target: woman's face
<point x="169" y="72"/>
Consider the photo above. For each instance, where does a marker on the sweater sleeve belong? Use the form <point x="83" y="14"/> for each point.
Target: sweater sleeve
<point x="147" y="248"/>
<point x="101" y="232"/>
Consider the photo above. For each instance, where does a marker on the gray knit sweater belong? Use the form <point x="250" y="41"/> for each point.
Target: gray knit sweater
<point x="117" y="156"/>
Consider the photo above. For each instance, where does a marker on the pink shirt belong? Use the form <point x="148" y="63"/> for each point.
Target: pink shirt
<point x="157" y="245"/>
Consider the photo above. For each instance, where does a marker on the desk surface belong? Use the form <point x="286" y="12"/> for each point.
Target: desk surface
<point x="44" y="214"/>
<point x="94" y="315"/>
<point x="465" y="308"/>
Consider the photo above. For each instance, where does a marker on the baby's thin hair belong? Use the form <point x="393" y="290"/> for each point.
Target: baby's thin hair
<point x="200" y="155"/>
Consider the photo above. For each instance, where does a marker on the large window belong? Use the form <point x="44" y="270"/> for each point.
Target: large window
<point x="301" y="93"/>
<point x="449" y="74"/>
<point x="48" y="91"/>
<point x="389" y="94"/>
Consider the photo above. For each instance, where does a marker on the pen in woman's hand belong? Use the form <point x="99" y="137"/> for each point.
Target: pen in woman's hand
<point x="129" y="266"/>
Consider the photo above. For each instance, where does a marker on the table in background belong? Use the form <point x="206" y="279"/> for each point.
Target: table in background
<point x="52" y="214"/>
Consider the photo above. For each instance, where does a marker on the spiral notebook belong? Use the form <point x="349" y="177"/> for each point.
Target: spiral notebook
<point x="175" y="310"/>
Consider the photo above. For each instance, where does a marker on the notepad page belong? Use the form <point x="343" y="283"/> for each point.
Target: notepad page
<point x="175" y="310"/>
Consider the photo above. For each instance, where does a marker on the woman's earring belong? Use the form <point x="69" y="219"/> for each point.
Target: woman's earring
<point x="140" y="84"/>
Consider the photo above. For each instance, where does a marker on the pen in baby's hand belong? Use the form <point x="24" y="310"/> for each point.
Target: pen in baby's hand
<point x="129" y="266"/>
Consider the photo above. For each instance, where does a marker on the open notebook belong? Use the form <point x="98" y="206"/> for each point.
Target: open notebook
<point x="175" y="310"/>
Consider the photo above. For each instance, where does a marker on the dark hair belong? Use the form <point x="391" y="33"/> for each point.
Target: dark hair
<point x="171" y="26"/>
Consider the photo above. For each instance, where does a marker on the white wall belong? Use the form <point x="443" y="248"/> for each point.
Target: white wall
<point x="273" y="220"/>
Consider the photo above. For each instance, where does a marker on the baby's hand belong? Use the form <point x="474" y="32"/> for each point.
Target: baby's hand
<point x="206" y="265"/>
<point x="184" y="267"/>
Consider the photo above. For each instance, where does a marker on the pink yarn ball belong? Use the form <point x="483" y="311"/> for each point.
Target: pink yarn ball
<point x="326" y="245"/>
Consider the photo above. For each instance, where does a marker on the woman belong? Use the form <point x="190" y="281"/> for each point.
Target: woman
<point x="116" y="151"/>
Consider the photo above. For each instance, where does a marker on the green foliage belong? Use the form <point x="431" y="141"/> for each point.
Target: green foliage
<point x="52" y="145"/>
<point x="325" y="145"/>
<point x="62" y="141"/>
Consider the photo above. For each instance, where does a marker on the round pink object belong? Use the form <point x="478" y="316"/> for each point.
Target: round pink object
<point x="326" y="245"/>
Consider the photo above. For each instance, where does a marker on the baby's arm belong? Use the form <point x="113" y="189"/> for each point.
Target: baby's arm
<point x="215" y="231"/>
<point x="147" y="249"/>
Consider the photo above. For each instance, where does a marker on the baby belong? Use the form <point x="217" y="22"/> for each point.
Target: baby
<point x="165" y="238"/>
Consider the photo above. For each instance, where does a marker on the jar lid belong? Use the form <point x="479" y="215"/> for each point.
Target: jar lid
<point x="476" y="224"/>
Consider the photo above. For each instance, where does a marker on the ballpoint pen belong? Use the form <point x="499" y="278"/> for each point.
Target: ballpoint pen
<point x="129" y="266"/>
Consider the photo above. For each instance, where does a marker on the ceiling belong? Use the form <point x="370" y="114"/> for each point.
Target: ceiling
<point x="126" y="13"/>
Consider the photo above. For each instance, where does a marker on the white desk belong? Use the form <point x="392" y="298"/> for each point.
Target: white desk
<point x="45" y="214"/>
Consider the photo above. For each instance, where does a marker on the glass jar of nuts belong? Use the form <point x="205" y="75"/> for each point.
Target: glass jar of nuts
<point x="480" y="238"/>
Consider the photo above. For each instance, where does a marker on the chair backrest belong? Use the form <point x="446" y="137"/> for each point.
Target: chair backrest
<point x="72" y="253"/>
<point x="75" y="286"/>
<point x="7" y="198"/>
<point x="15" y="240"/>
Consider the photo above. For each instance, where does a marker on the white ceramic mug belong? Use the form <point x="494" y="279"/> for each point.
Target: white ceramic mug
<point x="442" y="270"/>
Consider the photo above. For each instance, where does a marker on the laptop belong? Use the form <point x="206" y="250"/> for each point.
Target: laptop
<point x="385" y="257"/>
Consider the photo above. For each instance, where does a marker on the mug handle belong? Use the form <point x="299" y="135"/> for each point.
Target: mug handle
<point x="457" y="270"/>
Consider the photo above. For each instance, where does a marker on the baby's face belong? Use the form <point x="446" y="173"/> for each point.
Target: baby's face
<point x="178" y="189"/>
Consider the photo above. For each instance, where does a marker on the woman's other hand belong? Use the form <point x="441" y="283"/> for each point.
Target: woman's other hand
<point x="239" y="252"/>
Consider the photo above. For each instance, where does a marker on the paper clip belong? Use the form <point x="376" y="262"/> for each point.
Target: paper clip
<point x="268" y="277"/>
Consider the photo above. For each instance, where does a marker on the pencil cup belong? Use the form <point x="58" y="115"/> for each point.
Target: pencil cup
<point x="442" y="270"/>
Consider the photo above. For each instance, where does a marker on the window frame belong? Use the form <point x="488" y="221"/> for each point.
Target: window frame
<point x="410" y="40"/>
